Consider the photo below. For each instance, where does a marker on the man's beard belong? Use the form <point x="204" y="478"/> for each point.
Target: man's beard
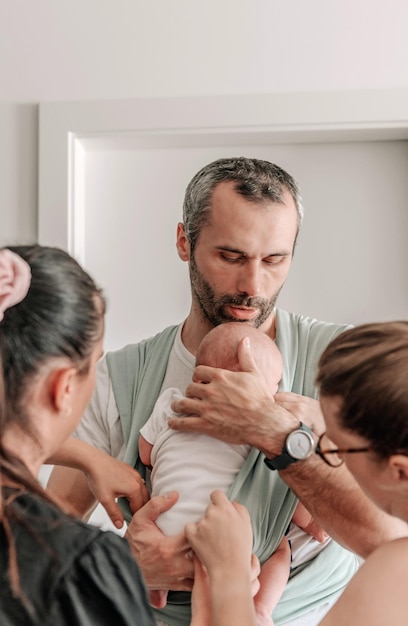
<point x="214" y="307"/>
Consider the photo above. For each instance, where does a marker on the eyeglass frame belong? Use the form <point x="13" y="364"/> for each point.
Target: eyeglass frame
<point x="321" y="452"/>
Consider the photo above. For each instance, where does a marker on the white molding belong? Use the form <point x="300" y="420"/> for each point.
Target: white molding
<point x="76" y="197"/>
<point x="69" y="129"/>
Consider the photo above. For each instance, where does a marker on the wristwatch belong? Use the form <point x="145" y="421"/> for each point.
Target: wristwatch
<point x="299" y="445"/>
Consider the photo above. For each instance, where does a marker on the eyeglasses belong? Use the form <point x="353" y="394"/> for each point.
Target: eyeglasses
<point x="331" y="455"/>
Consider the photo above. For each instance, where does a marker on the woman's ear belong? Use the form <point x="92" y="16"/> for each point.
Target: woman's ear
<point x="398" y="466"/>
<point x="182" y="243"/>
<point x="61" y="387"/>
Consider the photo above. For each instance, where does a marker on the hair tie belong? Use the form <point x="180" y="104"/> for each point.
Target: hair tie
<point x="15" y="279"/>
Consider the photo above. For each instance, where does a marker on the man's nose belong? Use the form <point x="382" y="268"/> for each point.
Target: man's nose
<point x="249" y="280"/>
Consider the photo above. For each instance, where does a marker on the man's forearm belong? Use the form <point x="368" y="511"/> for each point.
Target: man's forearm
<point x="338" y="504"/>
<point x="330" y="494"/>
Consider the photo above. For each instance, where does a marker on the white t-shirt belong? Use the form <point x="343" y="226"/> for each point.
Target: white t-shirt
<point x="191" y="463"/>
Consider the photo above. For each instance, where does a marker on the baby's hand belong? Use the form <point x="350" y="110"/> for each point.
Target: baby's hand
<point x="264" y="620"/>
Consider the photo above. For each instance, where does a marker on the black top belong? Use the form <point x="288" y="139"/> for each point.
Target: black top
<point x="71" y="573"/>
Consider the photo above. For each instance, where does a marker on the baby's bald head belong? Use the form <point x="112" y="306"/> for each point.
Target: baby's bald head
<point x="219" y="348"/>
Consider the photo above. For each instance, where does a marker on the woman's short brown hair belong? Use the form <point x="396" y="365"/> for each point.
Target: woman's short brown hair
<point x="367" y="366"/>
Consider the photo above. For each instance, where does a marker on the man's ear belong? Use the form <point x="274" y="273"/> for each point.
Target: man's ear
<point x="182" y="243"/>
<point x="61" y="387"/>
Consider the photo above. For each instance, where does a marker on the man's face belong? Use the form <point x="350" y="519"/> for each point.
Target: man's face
<point x="242" y="258"/>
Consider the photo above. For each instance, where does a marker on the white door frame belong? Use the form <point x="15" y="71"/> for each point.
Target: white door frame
<point x="68" y="130"/>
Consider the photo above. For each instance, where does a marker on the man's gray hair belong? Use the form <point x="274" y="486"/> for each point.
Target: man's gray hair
<point x="257" y="180"/>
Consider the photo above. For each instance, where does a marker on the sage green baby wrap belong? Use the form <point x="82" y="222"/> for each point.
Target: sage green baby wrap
<point x="137" y="373"/>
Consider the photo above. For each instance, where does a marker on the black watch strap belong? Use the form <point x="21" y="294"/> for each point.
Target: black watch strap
<point x="283" y="460"/>
<point x="280" y="462"/>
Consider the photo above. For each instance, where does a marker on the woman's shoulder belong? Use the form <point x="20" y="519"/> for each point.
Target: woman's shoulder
<point x="393" y="553"/>
<point x="103" y="582"/>
<point x="78" y="568"/>
<point x="47" y="520"/>
<point x="72" y="544"/>
<point x="377" y="594"/>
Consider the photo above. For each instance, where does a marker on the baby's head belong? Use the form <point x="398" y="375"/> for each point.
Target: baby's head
<point x="219" y="348"/>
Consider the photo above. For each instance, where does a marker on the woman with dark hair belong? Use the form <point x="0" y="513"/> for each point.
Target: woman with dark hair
<point x="55" y="570"/>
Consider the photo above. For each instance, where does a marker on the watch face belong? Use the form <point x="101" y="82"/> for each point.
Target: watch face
<point x="299" y="444"/>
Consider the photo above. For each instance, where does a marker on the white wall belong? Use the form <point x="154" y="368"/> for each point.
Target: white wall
<point x="351" y="263"/>
<point x="99" y="49"/>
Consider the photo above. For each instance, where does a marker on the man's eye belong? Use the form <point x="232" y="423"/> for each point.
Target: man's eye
<point x="231" y="259"/>
<point x="274" y="260"/>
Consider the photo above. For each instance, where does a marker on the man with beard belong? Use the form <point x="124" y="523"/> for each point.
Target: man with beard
<point x="241" y="221"/>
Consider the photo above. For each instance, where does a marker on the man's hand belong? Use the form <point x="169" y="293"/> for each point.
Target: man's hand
<point x="165" y="561"/>
<point x="235" y="406"/>
<point x="306" y="410"/>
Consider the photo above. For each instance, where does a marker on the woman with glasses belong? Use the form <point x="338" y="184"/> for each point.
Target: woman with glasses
<point x="363" y="383"/>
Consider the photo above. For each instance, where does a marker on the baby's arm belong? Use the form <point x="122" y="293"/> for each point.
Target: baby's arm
<point x="303" y="519"/>
<point x="273" y="578"/>
<point x="155" y="425"/>
<point x="145" y="451"/>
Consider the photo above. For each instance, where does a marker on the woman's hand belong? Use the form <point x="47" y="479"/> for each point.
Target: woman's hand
<point x="227" y="575"/>
<point x="109" y="479"/>
<point x="106" y="478"/>
<point x="222" y="539"/>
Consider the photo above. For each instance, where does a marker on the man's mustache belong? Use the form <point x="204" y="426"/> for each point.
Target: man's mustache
<point x="252" y="303"/>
